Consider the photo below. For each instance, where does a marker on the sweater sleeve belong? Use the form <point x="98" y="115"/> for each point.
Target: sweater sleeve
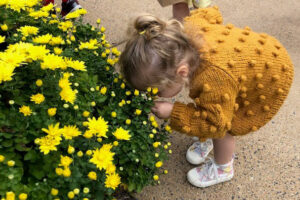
<point x="215" y="92"/>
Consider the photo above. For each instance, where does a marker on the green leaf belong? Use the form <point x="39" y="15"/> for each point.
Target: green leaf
<point x="99" y="195"/>
<point x="30" y="155"/>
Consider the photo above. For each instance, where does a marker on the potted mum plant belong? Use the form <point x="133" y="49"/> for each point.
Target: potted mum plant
<point x="70" y="126"/>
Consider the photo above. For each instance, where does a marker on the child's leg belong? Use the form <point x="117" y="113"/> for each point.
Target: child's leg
<point x="46" y="2"/>
<point x="224" y="149"/>
<point x="180" y="10"/>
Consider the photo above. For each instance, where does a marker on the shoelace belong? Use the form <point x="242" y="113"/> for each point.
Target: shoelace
<point x="211" y="168"/>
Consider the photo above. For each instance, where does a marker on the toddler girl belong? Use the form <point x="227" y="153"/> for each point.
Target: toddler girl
<point x="237" y="78"/>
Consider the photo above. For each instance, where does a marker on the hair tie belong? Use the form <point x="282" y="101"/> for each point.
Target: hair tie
<point x="142" y="32"/>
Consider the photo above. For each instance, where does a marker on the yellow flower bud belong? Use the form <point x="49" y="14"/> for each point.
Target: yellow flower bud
<point x="54" y="192"/>
<point x="76" y="191"/>
<point x="76" y="107"/>
<point x="86" y="190"/>
<point x="22" y="196"/>
<point x="10" y="195"/>
<point x="99" y="139"/>
<point x="136" y="92"/>
<point x="67" y="172"/>
<point x="152" y="118"/>
<point x="93" y="103"/>
<point x="155" y="177"/>
<point x="88" y="152"/>
<point x="151" y="135"/>
<point x="2" y="158"/>
<point x="156" y="144"/>
<point x="86" y="113"/>
<point x="71" y="195"/>
<point x="11" y="163"/>
<point x="52" y="112"/>
<point x="4" y="27"/>
<point x="158" y="164"/>
<point x="71" y="149"/>
<point x="154" y="91"/>
<point x="39" y="82"/>
<point x="128" y="121"/>
<point x="123" y="85"/>
<point x="116" y="143"/>
<point x="103" y="90"/>
<point x="98" y="21"/>
<point x="79" y="153"/>
<point x="114" y="114"/>
<point x="92" y="175"/>
<point x="138" y="111"/>
<point x="59" y="171"/>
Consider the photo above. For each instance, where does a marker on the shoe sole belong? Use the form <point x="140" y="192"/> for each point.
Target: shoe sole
<point x="210" y="183"/>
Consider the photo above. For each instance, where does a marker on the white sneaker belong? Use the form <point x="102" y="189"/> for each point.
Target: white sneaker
<point x="210" y="173"/>
<point x="197" y="153"/>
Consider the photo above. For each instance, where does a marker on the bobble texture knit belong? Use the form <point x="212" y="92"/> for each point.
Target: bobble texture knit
<point x="240" y="86"/>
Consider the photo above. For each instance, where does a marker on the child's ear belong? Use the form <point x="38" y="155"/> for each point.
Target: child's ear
<point x="183" y="71"/>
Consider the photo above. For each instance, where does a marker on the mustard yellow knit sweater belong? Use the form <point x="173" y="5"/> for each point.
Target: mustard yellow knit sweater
<point x="245" y="80"/>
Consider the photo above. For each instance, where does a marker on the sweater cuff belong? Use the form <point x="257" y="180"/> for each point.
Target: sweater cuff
<point x="180" y="118"/>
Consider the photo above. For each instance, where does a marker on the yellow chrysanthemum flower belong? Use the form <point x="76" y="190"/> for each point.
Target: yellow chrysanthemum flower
<point x="25" y="110"/>
<point x="102" y="157"/>
<point x="65" y="161"/>
<point x="39" y="14"/>
<point x="110" y="169"/>
<point x="122" y="134"/>
<point x="76" y="64"/>
<point x="43" y="39"/>
<point x="6" y="72"/>
<point x="2" y="39"/>
<point x="112" y="181"/>
<point x="53" y="130"/>
<point x="73" y="15"/>
<point x="37" y="98"/>
<point x="48" y="143"/>
<point x="53" y="62"/>
<point x="64" y="26"/>
<point x="68" y="95"/>
<point x="12" y="58"/>
<point x="37" y="52"/>
<point x="56" y="41"/>
<point x="28" y="30"/>
<point x="48" y="7"/>
<point x="69" y="132"/>
<point x="57" y="50"/>
<point x="98" y="126"/>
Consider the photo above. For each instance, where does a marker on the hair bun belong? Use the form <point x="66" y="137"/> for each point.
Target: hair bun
<point x="149" y="25"/>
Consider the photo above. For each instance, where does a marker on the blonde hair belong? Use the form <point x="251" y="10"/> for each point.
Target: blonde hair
<point x="154" y="50"/>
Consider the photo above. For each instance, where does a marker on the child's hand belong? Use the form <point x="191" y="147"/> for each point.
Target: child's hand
<point x="162" y="109"/>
